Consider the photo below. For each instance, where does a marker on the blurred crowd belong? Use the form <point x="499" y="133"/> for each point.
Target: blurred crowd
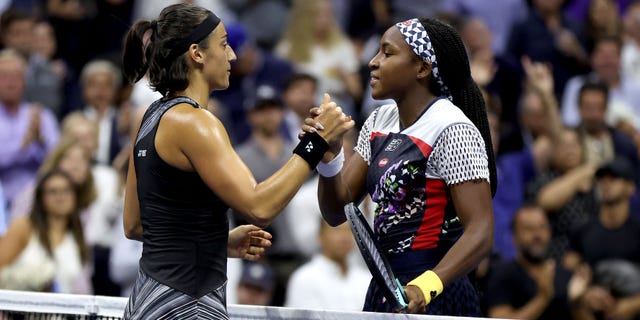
<point x="561" y="81"/>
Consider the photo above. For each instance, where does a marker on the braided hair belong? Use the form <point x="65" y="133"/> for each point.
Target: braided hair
<point x="453" y="64"/>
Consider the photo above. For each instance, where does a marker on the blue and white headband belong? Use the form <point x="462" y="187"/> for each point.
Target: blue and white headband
<point x="418" y="39"/>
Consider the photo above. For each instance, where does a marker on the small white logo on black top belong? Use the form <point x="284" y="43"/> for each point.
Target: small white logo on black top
<point x="393" y="145"/>
<point x="309" y="146"/>
<point x="142" y="153"/>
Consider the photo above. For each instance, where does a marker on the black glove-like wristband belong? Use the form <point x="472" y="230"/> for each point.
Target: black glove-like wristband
<point x="311" y="148"/>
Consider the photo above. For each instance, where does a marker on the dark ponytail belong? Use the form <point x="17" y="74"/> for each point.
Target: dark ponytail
<point x="453" y="64"/>
<point x="167" y="73"/>
<point x="134" y="62"/>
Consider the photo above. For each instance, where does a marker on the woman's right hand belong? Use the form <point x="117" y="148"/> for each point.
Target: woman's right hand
<point x="330" y="123"/>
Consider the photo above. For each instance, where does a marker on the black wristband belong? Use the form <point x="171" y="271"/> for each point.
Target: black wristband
<point x="311" y="148"/>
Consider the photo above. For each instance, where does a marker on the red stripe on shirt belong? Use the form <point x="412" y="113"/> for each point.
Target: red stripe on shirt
<point x="424" y="147"/>
<point x="377" y="134"/>
<point x="429" y="232"/>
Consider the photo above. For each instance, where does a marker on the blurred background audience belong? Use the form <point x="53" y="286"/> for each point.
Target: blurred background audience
<point x="561" y="82"/>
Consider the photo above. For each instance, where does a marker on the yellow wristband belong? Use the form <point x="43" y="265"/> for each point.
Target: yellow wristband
<point x="430" y="285"/>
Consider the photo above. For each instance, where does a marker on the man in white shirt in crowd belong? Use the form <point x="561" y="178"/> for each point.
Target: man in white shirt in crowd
<point x="330" y="281"/>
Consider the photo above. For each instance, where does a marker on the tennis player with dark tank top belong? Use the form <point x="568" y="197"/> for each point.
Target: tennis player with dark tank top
<point x="184" y="174"/>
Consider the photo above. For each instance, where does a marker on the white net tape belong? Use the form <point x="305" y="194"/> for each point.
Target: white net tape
<point x="100" y="307"/>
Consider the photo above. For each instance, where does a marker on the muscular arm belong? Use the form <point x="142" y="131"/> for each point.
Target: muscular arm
<point x="472" y="200"/>
<point x="131" y="218"/>
<point x="205" y="145"/>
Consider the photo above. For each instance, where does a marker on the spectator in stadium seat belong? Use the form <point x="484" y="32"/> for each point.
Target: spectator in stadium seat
<point x="610" y="245"/>
<point x="601" y="141"/>
<point x="623" y="90"/>
<point x="266" y="150"/>
<point x="298" y="96"/>
<point x="27" y="131"/>
<point x="630" y="55"/>
<point x="343" y="283"/>
<point x="547" y="35"/>
<point x="565" y="190"/>
<point x="256" y="73"/>
<point x="533" y="285"/>
<point x="499" y="16"/>
<point x="256" y="284"/>
<point x="603" y="20"/>
<point x="68" y="156"/>
<point x="43" y="81"/>
<point x="48" y="244"/>
<point x="315" y="44"/>
<point x="100" y="80"/>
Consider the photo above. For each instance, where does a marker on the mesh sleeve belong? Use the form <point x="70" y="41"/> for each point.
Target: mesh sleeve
<point x="459" y="155"/>
<point x="363" y="147"/>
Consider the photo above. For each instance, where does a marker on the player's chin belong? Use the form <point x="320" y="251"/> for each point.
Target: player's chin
<point x="378" y="94"/>
<point x="221" y="85"/>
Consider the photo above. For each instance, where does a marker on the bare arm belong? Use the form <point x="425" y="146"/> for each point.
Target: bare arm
<point x="131" y="218"/>
<point x="532" y="310"/>
<point x="625" y="308"/>
<point x="347" y="186"/>
<point x="561" y="190"/>
<point x="540" y="80"/>
<point x="15" y="240"/>
<point x="535" y="307"/>
<point x="207" y="149"/>
<point x="472" y="200"/>
<point x="541" y="151"/>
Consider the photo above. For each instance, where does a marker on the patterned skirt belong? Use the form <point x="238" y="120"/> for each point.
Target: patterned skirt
<point x="151" y="299"/>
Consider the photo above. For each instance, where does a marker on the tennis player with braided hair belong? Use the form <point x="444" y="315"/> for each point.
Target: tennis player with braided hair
<point x="427" y="163"/>
<point x="184" y="174"/>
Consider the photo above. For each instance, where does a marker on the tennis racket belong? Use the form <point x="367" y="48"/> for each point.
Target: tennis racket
<point x="376" y="262"/>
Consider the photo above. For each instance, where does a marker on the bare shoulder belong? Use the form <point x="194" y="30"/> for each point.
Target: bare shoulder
<point x="21" y="224"/>
<point x="188" y="127"/>
<point x="19" y="230"/>
<point x="191" y="121"/>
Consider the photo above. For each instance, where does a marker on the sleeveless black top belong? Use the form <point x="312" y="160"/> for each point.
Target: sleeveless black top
<point x="185" y="227"/>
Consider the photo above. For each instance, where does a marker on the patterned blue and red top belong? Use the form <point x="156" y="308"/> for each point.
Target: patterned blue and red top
<point x="410" y="170"/>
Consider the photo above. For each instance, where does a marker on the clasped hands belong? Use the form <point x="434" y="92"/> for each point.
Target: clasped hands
<point x="330" y="123"/>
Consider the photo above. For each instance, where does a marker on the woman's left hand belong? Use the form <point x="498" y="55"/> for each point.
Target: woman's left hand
<point x="417" y="304"/>
<point x="248" y="242"/>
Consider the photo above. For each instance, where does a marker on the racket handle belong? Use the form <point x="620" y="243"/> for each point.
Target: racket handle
<point x="401" y="296"/>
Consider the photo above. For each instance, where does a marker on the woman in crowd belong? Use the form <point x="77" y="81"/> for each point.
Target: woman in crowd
<point x="45" y="250"/>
